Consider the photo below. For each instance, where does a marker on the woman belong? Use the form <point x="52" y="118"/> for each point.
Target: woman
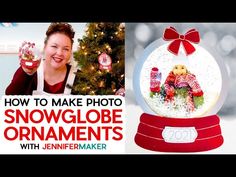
<point x="54" y="72"/>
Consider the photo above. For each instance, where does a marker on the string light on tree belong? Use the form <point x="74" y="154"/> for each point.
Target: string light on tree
<point x="122" y="25"/>
<point x="91" y="92"/>
<point x="101" y="84"/>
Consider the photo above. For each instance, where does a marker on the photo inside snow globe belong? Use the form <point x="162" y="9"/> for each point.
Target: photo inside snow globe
<point x="181" y="84"/>
<point x="180" y="81"/>
<point x="29" y="55"/>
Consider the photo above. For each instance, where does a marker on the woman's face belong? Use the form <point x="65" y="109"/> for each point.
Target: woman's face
<point x="58" y="50"/>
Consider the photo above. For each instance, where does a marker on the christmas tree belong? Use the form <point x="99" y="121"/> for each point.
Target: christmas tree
<point x="100" y="60"/>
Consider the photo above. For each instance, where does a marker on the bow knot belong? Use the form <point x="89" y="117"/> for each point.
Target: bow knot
<point x="191" y="36"/>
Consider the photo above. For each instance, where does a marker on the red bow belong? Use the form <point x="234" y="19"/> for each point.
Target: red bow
<point x="191" y="36"/>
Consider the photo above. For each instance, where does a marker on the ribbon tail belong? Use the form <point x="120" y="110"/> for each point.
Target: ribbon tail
<point x="188" y="47"/>
<point x="174" y="47"/>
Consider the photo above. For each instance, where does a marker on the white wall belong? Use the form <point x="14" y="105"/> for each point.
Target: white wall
<point x="12" y="37"/>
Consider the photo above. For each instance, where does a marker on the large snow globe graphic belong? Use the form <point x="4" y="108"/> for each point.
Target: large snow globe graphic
<point x="181" y="84"/>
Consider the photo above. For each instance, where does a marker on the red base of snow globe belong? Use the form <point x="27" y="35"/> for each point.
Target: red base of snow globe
<point x="30" y="64"/>
<point x="166" y="134"/>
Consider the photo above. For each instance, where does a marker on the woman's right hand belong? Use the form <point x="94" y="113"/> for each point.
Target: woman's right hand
<point x="29" y="71"/>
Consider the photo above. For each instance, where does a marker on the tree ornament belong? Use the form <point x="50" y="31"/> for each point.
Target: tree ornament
<point x="105" y="62"/>
<point x="120" y="92"/>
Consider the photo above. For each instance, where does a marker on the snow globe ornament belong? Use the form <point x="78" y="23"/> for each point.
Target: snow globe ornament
<point x="105" y="62"/>
<point x="29" y="55"/>
<point x="181" y="84"/>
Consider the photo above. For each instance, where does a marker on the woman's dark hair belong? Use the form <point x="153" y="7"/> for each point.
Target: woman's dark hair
<point x="63" y="28"/>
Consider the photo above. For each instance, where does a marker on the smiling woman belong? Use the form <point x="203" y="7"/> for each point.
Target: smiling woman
<point x="11" y="39"/>
<point x="54" y="72"/>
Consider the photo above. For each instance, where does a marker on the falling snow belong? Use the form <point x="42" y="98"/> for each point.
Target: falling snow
<point x="201" y="63"/>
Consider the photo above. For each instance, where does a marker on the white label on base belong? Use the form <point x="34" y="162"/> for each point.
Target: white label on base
<point x="179" y="134"/>
<point x="28" y="63"/>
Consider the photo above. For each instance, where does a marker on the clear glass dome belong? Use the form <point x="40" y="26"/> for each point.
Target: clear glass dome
<point x="204" y="64"/>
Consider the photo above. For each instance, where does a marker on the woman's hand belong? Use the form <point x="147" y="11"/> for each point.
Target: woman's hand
<point x="29" y="71"/>
<point x="30" y="67"/>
